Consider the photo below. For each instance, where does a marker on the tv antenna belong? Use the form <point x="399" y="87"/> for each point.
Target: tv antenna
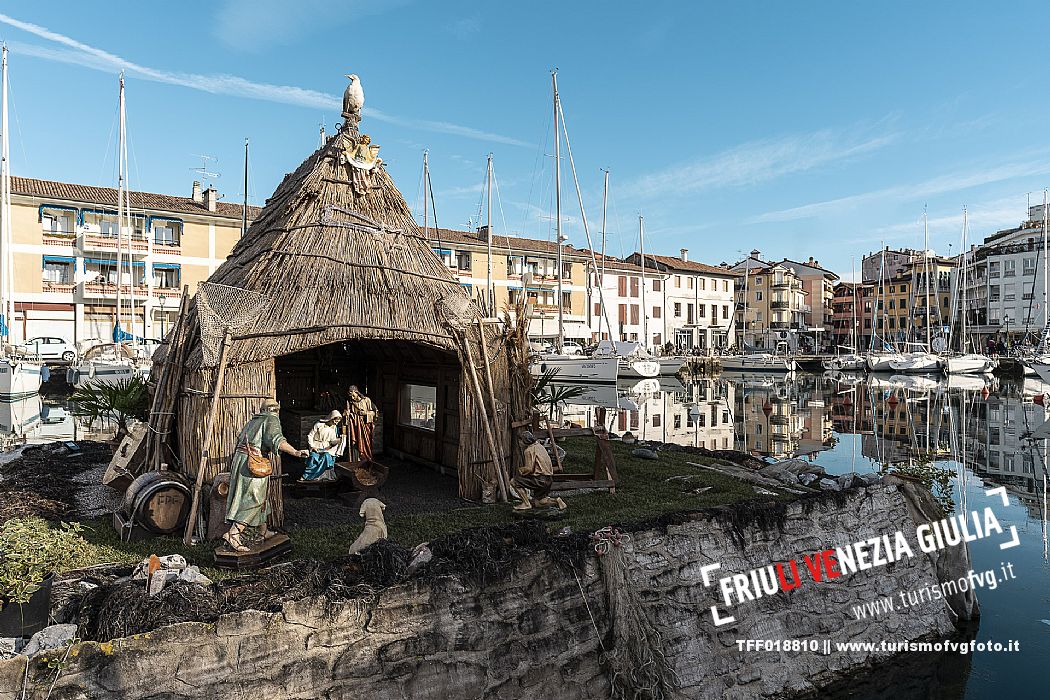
<point x="203" y="170"/>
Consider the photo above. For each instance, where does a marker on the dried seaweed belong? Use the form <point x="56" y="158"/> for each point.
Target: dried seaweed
<point x="126" y="609"/>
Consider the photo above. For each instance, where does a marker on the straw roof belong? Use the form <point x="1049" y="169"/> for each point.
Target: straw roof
<point x="339" y="257"/>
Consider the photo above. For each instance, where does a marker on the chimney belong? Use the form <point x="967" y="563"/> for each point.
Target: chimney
<point x="211" y="198"/>
<point x="811" y="261"/>
<point x="756" y="254"/>
<point x="685" y="254"/>
<point x="483" y="231"/>
<point x="197" y="196"/>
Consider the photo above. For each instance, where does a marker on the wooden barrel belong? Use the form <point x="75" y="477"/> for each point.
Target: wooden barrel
<point x="158" y="501"/>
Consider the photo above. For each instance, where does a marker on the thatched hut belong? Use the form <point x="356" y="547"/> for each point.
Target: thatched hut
<point x="353" y="295"/>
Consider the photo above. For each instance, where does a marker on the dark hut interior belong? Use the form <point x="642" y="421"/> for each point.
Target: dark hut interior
<point x="415" y="387"/>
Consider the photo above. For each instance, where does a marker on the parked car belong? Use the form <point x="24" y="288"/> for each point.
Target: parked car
<point x="49" y="348"/>
<point x="571" y="348"/>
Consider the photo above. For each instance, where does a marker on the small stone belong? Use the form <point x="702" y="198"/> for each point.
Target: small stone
<point x="628" y="438"/>
<point x="806" y="478"/>
<point x="848" y="481"/>
<point x="50" y="638"/>
<point x="869" y="478"/>
<point x="645" y="453"/>
<point x="829" y="485"/>
<point x="9" y="646"/>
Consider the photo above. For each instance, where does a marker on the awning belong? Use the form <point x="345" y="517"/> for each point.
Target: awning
<point x="113" y="262"/>
<point x="59" y="259"/>
<point x="548" y="328"/>
<point x="167" y="266"/>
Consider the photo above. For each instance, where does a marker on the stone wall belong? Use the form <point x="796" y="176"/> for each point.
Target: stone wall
<point x="531" y="636"/>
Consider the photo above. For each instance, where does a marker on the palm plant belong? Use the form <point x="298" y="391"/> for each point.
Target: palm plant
<point x="550" y="396"/>
<point x="122" y="401"/>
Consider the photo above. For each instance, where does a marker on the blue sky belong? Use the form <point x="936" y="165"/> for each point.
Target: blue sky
<point x="817" y="128"/>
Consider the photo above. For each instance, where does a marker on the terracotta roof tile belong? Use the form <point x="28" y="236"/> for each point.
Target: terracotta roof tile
<point x="107" y="196"/>
<point x="446" y="236"/>
<point x="688" y="265"/>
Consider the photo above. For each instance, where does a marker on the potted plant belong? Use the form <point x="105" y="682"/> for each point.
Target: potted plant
<point x="31" y="549"/>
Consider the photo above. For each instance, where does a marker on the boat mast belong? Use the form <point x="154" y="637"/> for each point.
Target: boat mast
<point x="6" y="268"/>
<point x="856" y="335"/>
<point x="244" y="209"/>
<point x="120" y="220"/>
<point x="557" y="211"/>
<point x="426" y="204"/>
<point x="490" y="297"/>
<point x="645" y="316"/>
<point x="926" y="272"/>
<point x="962" y="289"/>
<point x="601" y="276"/>
<point x="1046" y="298"/>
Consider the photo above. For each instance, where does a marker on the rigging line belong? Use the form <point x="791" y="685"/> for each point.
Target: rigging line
<point x="418" y="199"/>
<point x="499" y="200"/>
<point x="537" y="171"/>
<point x="13" y="106"/>
<point x="433" y="209"/>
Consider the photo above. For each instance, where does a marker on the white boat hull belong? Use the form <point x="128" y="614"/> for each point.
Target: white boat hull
<point x="639" y="369"/>
<point x="916" y="363"/>
<point x="671" y="365"/>
<point x="970" y="364"/>
<point x="880" y="362"/>
<point x="758" y="363"/>
<point x="19" y="379"/>
<point x="101" y="372"/>
<point x="573" y="368"/>
<point x="845" y="363"/>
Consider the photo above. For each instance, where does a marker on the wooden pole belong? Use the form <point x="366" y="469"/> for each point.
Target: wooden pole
<point x="171" y="368"/>
<point x="504" y="473"/>
<point x="476" y="386"/>
<point x="191" y="521"/>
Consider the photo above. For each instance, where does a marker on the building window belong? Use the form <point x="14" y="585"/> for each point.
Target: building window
<point x="622" y="313"/>
<point x="677" y="310"/>
<point x="621" y="286"/>
<point x="597" y="309"/>
<point x="1029" y="266"/>
<point x="725" y="311"/>
<point x="758" y="296"/>
<point x="418" y="406"/>
<point x="57" y="221"/>
<point x="463" y="260"/>
<point x="701" y="311"/>
<point x="445" y="255"/>
<point x="689" y="280"/>
<point x="1009" y="268"/>
<point x="513" y="296"/>
<point x="566" y="300"/>
<point x="656" y="312"/>
<point x="657" y="419"/>
<point x="166" y="277"/>
<point x="658" y="285"/>
<point x="634" y="286"/>
<point x="634" y="314"/>
<point x="678" y="281"/>
<point x="758" y="281"/>
<point x="678" y="422"/>
<point x="702" y="282"/>
<point x="566" y="271"/>
<point x="58" y="271"/>
<point x="170" y="233"/>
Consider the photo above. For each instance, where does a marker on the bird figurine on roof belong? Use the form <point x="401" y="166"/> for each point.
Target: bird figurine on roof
<point x="353" y="98"/>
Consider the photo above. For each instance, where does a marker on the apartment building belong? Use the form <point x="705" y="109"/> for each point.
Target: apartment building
<point x="900" y="313"/>
<point x="1002" y="283"/>
<point x="64" y="248"/>
<point x="851" y="317"/>
<point x="819" y="285"/>
<point x="522" y="269"/>
<point x="771" y="306"/>
<point x="621" y="284"/>
<point x="698" y="301"/>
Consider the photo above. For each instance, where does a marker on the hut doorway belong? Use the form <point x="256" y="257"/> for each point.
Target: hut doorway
<point x="415" y="387"/>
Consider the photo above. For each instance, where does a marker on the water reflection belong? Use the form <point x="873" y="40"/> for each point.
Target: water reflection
<point x="36" y="420"/>
<point x="987" y="432"/>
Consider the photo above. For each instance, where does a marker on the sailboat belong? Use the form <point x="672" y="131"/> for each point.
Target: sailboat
<point x="112" y="364"/>
<point x="921" y="360"/>
<point x="851" y="361"/>
<point x="569" y="368"/>
<point x="969" y="363"/>
<point x="19" y="378"/>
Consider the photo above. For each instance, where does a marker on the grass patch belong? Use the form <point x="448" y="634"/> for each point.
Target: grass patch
<point x="644" y="493"/>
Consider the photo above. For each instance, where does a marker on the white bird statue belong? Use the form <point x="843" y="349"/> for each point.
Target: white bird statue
<point x="353" y="98"/>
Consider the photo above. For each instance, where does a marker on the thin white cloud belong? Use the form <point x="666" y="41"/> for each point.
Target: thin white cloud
<point x="78" y="53"/>
<point x="983" y="218"/>
<point x="933" y="186"/>
<point x="259" y="25"/>
<point x="759" y="161"/>
<point x="464" y="28"/>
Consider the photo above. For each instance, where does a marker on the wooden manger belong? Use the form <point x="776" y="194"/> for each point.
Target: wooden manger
<point x="603" y="475"/>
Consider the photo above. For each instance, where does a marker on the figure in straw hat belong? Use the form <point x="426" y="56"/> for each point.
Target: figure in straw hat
<point x="536" y="474"/>
<point x="246" y="502"/>
<point x="325" y="445"/>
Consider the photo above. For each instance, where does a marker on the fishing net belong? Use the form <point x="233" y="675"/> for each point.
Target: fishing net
<point x="221" y="309"/>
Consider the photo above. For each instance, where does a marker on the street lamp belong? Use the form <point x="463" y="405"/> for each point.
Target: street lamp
<point x="163" y="316"/>
<point x="1006" y="320"/>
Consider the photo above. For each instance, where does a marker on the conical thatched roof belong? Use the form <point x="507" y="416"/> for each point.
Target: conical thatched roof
<point x="338" y="256"/>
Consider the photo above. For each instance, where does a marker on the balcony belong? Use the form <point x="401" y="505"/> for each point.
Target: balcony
<point x="91" y="241"/>
<point x="779" y="325"/>
<point x="59" y="239"/>
<point x="59" y="287"/>
<point x="779" y="304"/>
<point x="780" y="284"/>
<point x="106" y="290"/>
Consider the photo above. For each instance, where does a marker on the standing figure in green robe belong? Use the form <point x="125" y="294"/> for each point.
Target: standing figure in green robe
<point x="246" y="502"/>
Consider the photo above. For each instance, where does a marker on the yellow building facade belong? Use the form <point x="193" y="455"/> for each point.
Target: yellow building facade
<point x="64" y="250"/>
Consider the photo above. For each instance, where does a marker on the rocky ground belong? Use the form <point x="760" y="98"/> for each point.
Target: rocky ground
<point x="57" y="481"/>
